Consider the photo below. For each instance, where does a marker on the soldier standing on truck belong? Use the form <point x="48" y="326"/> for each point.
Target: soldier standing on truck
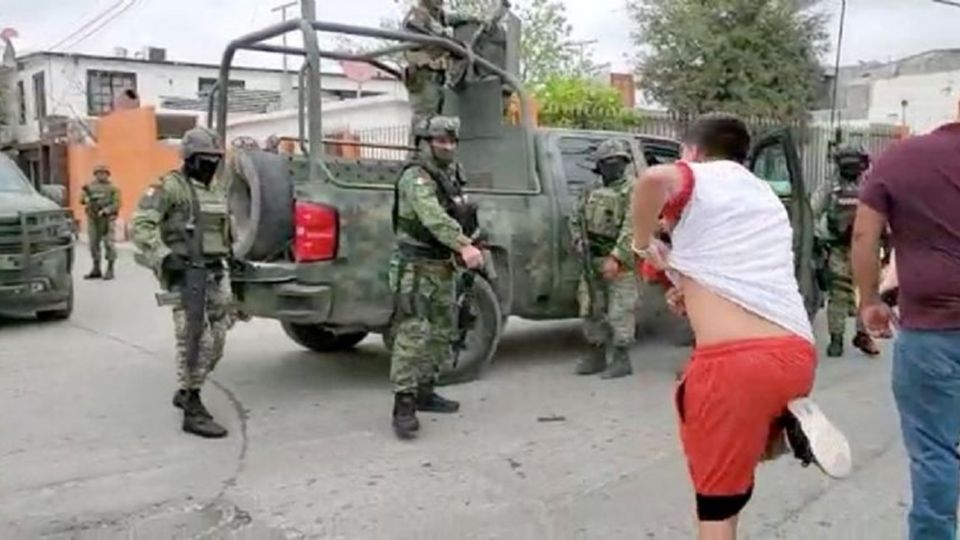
<point x="837" y="228"/>
<point x="162" y="229"/>
<point x="431" y="218"/>
<point x="101" y="197"/>
<point x="603" y="214"/>
<point x="427" y="66"/>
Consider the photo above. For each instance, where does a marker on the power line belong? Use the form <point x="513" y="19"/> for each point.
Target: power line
<point x="96" y="29"/>
<point x="86" y="25"/>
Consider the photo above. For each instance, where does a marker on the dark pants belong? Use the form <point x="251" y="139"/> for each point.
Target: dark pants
<point x="926" y="385"/>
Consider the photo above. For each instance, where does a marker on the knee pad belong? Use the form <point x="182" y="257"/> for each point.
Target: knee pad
<point x="721" y="507"/>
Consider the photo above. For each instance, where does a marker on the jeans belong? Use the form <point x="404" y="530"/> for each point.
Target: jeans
<point x="926" y="386"/>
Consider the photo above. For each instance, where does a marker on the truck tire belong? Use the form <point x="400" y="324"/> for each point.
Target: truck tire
<point x="482" y="339"/>
<point x="317" y="338"/>
<point x="260" y="204"/>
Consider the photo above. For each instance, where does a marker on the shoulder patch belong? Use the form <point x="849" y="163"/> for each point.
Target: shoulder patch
<point x="151" y="198"/>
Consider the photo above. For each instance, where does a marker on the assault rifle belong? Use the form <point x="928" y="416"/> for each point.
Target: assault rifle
<point x="589" y="270"/>
<point x="465" y="282"/>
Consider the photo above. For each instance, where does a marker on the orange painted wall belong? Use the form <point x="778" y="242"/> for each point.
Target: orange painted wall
<point x="127" y="143"/>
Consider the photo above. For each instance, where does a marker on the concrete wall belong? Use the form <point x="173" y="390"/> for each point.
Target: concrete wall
<point x="66" y="84"/>
<point x="127" y="144"/>
<point x="933" y="99"/>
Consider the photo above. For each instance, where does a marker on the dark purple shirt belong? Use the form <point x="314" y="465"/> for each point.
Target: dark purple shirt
<point x="916" y="185"/>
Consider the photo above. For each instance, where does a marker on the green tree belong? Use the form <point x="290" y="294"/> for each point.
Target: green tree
<point x="582" y="104"/>
<point x="750" y="57"/>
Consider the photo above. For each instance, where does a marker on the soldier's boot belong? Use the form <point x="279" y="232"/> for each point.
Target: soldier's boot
<point x="180" y="398"/>
<point x="430" y="401"/>
<point x="592" y="362"/>
<point x="835" y="348"/>
<point x="95" y="273"/>
<point x="866" y="344"/>
<point x="109" y="274"/>
<point x="619" y="365"/>
<point x="196" y="419"/>
<point x="405" y="422"/>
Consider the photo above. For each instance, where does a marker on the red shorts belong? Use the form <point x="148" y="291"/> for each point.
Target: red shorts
<point x="729" y="400"/>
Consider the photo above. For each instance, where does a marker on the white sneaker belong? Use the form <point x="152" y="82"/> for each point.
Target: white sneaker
<point x="825" y="445"/>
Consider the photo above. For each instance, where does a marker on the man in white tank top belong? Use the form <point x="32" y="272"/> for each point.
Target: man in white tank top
<point x="732" y="270"/>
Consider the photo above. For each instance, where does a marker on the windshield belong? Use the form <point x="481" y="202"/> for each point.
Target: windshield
<point x="11" y="178"/>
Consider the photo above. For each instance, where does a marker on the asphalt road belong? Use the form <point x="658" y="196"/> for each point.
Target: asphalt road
<point x="91" y="446"/>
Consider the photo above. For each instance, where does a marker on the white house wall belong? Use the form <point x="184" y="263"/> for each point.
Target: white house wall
<point x="932" y="100"/>
<point x="66" y="84"/>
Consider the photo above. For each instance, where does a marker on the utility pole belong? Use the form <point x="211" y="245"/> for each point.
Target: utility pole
<point x="286" y="96"/>
<point x="836" y="70"/>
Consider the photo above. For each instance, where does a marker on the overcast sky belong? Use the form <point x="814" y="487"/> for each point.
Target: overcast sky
<point x="197" y="30"/>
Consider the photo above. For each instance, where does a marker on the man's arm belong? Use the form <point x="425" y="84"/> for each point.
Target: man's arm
<point x="113" y="206"/>
<point x="84" y="196"/>
<point x="145" y="226"/>
<point x="622" y="250"/>
<point x="867" y="229"/>
<point x="651" y="191"/>
<point x="421" y="192"/>
<point x="419" y="20"/>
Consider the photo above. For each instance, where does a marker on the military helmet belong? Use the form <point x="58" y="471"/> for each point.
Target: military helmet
<point x="437" y="126"/>
<point x="101" y="167"/>
<point x="850" y="152"/>
<point x="612" y="148"/>
<point x="200" y="140"/>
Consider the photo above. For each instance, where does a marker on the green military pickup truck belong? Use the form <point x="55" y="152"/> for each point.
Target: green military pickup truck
<point x="36" y="248"/>
<point x="313" y="233"/>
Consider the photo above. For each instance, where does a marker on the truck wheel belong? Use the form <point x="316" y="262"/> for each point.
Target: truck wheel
<point x="482" y="340"/>
<point x="58" y="314"/>
<point x="318" y="338"/>
<point x="260" y="203"/>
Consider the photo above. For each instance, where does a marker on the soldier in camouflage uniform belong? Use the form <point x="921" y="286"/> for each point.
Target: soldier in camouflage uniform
<point x="606" y="213"/>
<point x="102" y="201"/>
<point x="160" y="234"/>
<point x="427" y="66"/>
<point x="430" y="216"/>
<point x="837" y="229"/>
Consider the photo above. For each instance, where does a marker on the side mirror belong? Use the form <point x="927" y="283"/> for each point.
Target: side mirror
<point x="55" y="193"/>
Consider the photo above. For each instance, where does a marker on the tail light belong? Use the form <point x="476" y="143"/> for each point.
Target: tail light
<point x="317" y="231"/>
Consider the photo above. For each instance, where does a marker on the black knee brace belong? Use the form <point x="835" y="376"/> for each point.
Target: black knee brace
<point x="721" y="507"/>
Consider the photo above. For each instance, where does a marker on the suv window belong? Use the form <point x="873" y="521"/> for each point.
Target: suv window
<point x="577" y="157"/>
<point x="771" y="165"/>
<point x="12" y="179"/>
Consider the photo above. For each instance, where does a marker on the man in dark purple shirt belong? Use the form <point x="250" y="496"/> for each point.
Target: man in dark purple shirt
<point x="915" y="188"/>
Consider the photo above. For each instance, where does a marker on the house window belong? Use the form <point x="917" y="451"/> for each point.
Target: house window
<point x="105" y="86"/>
<point x="205" y="84"/>
<point x="39" y="96"/>
<point x="21" y="103"/>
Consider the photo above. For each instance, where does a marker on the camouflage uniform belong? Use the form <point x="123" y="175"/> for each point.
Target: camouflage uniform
<point x="102" y="201"/>
<point x="160" y="227"/>
<point x="837" y="230"/>
<point x="427" y="66"/>
<point x="605" y="211"/>
<point x="423" y="275"/>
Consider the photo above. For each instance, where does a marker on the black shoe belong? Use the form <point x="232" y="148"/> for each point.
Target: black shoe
<point x="592" y="362"/>
<point x="109" y="274"/>
<point x="835" y="348"/>
<point x="866" y="344"/>
<point x="430" y="401"/>
<point x="619" y="365"/>
<point x="405" y="421"/>
<point x="196" y="418"/>
<point x="180" y="398"/>
<point x="94" y="274"/>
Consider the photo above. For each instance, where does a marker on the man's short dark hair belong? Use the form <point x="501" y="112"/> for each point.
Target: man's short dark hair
<point x="720" y="136"/>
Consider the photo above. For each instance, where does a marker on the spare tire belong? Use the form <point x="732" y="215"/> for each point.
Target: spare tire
<point x="260" y="202"/>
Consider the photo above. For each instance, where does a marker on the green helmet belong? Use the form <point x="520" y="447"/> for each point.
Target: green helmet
<point x="851" y="159"/>
<point x="611" y="148"/>
<point x="437" y="126"/>
<point x="200" y="140"/>
<point x="101" y="167"/>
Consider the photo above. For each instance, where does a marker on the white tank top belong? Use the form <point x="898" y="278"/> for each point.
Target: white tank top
<point x="734" y="237"/>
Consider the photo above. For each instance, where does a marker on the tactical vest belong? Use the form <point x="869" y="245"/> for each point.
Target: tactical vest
<point x="213" y="219"/>
<point x="453" y="201"/>
<point x="99" y="196"/>
<point x="844" y="211"/>
<point x="603" y="216"/>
